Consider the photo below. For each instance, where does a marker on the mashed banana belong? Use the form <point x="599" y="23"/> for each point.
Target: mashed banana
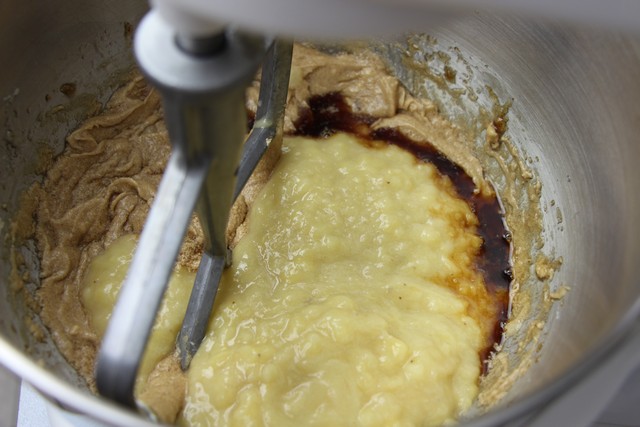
<point x="339" y="307"/>
<point x="354" y="298"/>
<point x="336" y="310"/>
<point x="100" y="287"/>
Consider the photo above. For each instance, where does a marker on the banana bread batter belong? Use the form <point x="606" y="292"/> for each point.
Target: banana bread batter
<point x="379" y="323"/>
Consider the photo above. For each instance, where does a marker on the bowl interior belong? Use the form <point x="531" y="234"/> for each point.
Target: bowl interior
<point x="574" y="120"/>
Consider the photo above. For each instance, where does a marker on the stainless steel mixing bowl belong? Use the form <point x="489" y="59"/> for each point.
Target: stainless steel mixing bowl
<point x="575" y="115"/>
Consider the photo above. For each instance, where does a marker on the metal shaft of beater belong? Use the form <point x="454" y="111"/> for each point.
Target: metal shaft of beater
<point x="202" y="82"/>
<point x="274" y="85"/>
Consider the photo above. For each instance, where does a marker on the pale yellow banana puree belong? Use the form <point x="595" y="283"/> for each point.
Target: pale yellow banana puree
<point x="101" y="284"/>
<point x="345" y="304"/>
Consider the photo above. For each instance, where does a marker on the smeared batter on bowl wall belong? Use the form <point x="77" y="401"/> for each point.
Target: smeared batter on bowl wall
<point x="101" y="188"/>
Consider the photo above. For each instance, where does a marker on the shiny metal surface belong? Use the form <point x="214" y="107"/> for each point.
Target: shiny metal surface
<point x="196" y="318"/>
<point x="575" y="114"/>
<point x="274" y="84"/>
<point x="269" y="120"/>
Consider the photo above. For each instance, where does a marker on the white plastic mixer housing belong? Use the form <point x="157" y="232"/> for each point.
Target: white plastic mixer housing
<point x="339" y="19"/>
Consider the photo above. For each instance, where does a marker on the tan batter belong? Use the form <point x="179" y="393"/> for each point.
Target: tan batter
<point x="101" y="188"/>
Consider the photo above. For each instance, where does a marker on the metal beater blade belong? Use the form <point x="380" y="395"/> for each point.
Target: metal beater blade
<point x="203" y="83"/>
<point x="272" y="100"/>
<point x="274" y="84"/>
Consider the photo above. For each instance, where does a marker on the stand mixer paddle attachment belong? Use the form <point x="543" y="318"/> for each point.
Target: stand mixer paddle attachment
<point x="202" y="79"/>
